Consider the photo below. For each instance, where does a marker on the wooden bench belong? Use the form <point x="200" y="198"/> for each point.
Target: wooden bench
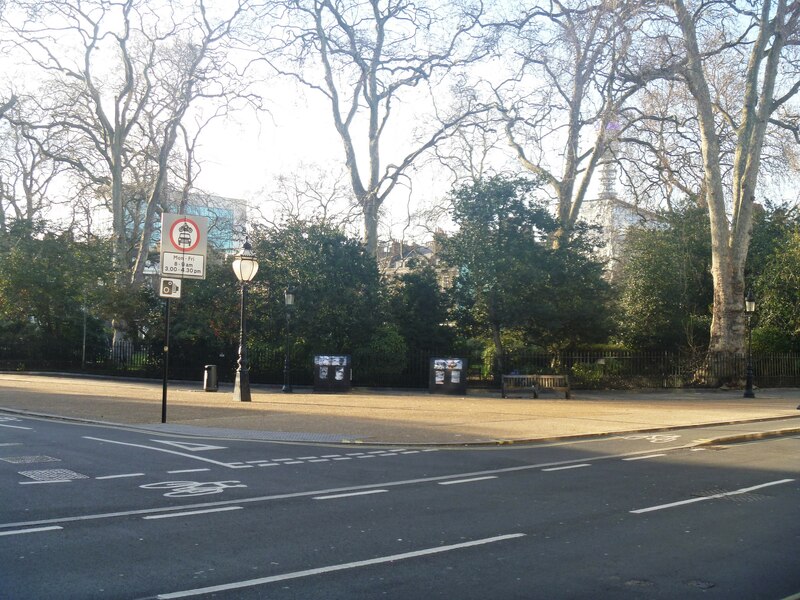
<point x="535" y="383"/>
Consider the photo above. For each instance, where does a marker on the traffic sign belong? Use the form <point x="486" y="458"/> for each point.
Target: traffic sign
<point x="170" y="288"/>
<point x="183" y="246"/>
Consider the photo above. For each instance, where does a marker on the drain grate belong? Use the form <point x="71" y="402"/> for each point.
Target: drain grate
<point x="27" y="460"/>
<point x="53" y="475"/>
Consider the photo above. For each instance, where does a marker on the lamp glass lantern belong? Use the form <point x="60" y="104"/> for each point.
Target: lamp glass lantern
<point x="750" y="303"/>
<point x="245" y="265"/>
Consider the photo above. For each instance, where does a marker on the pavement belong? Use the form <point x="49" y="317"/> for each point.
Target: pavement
<point x="394" y="417"/>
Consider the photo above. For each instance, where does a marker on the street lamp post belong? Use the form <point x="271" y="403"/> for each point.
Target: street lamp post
<point x="749" y="309"/>
<point x="245" y="267"/>
<point x="288" y="297"/>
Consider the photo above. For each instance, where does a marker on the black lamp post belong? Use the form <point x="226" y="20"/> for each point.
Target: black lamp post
<point x="245" y="266"/>
<point x="288" y="297"/>
<point x="749" y="309"/>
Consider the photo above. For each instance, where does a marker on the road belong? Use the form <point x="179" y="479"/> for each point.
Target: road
<point x="91" y="511"/>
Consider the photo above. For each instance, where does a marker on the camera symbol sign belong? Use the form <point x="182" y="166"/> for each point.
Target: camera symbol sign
<point x="170" y="288"/>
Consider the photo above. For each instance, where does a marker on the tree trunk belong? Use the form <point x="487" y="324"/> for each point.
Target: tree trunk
<point x="498" y="352"/>
<point x="370" y="207"/>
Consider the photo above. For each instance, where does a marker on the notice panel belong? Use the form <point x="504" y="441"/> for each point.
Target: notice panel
<point x="183" y="246"/>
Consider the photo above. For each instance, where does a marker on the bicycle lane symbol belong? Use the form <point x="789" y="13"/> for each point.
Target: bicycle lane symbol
<point x="654" y="438"/>
<point x="189" y="489"/>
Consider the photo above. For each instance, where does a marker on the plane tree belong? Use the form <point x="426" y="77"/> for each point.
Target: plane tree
<point x="739" y="64"/>
<point x="365" y="59"/>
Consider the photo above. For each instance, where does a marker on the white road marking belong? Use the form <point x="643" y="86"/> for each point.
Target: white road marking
<point x="291" y="495"/>
<point x="49" y="481"/>
<point x="333" y="568"/>
<point x="644" y="457"/>
<point x="12" y="444"/>
<point x="16" y="426"/>
<point x="31" y="530"/>
<point x="269" y="465"/>
<point x="188" y="471"/>
<point x="194" y="512"/>
<point x="349" y="495"/>
<point x="467" y="480"/>
<point x="712" y="497"/>
<point x="120" y="476"/>
<point x="568" y="467"/>
<point x="194" y="457"/>
<point x="320" y="460"/>
<point x="190" y="446"/>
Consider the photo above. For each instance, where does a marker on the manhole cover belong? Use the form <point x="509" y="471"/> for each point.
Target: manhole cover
<point x="26" y="460"/>
<point x="53" y="475"/>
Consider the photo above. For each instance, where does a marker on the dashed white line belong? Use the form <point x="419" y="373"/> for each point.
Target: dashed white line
<point x="188" y="471"/>
<point x="120" y="476"/>
<point x="16" y="426"/>
<point x="467" y="480"/>
<point x="349" y="495"/>
<point x="193" y="512"/>
<point x="30" y="530"/>
<point x="344" y="458"/>
<point x="568" y="467"/>
<point x="48" y="481"/>
<point x="644" y="457"/>
<point x="320" y="460"/>
<point x="712" y="497"/>
<point x="341" y="567"/>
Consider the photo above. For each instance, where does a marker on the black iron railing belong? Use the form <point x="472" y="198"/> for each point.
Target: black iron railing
<point x="587" y="370"/>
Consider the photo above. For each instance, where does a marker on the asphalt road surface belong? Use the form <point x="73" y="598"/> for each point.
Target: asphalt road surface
<point x="90" y="511"/>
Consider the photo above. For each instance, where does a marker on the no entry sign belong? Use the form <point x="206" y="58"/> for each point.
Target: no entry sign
<point x="183" y="246"/>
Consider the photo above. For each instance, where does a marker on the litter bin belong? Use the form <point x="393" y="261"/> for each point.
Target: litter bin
<point x="332" y="374"/>
<point x="448" y="376"/>
<point x="210" y="378"/>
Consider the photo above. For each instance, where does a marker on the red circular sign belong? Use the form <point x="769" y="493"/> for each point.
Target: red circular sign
<point x="184" y="235"/>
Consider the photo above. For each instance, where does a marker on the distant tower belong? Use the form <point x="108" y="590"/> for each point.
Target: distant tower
<point x="607" y="209"/>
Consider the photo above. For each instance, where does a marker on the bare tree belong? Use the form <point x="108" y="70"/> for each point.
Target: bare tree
<point x="566" y="92"/>
<point x="740" y="65"/>
<point x="365" y="58"/>
<point x="123" y="75"/>
<point x="26" y="169"/>
<point x="316" y="194"/>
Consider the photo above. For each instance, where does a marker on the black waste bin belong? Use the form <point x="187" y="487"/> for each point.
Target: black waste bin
<point x="332" y="373"/>
<point x="210" y="378"/>
<point x="448" y="376"/>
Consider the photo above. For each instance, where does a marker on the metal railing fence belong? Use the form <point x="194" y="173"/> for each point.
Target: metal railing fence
<point x="587" y="370"/>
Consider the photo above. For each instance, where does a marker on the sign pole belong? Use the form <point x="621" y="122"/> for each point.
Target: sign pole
<point x="166" y="362"/>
